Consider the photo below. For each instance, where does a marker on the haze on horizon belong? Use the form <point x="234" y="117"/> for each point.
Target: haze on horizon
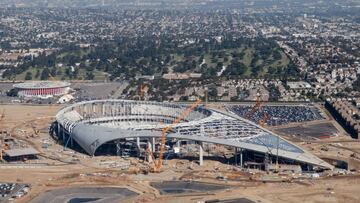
<point x="178" y="3"/>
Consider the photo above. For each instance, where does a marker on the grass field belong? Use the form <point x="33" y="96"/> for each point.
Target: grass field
<point x="244" y="55"/>
<point x="99" y="76"/>
<point x="248" y="56"/>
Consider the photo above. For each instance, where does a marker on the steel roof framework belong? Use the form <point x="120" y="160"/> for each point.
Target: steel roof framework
<point x="93" y="123"/>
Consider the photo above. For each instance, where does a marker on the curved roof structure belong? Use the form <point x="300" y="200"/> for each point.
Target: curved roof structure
<point x="93" y="123"/>
<point x="42" y="84"/>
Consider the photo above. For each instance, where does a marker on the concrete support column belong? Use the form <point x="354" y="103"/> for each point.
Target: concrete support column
<point x="153" y="144"/>
<point x="58" y="130"/>
<point x="236" y="158"/>
<point x="241" y="157"/>
<point x="201" y="154"/>
<point x="138" y="142"/>
<point x="149" y="157"/>
<point x="103" y="109"/>
<point x="63" y="137"/>
<point x="118" y="148"/>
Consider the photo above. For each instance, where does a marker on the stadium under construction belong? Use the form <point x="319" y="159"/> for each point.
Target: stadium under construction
<point x="132" y="128"/>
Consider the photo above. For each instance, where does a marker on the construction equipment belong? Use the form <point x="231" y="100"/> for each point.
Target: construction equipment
<point x="263" y="120"/>
<point x="158" y="163"/>
<point x="258" y="107"/>
<point x="255" y="108"/>
<point x="36" y="131"/>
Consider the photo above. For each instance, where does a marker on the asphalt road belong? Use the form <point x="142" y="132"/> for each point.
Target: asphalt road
<point x="85" y="194"/>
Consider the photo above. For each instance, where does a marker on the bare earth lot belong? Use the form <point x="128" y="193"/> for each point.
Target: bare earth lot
<point x="70" y="169"/>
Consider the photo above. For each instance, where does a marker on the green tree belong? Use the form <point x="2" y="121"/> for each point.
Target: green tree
<point x="89" y="76"/>
<point x="37" y="75"/>
<point x="45" y="74"/>
<point x="28" y="76"/>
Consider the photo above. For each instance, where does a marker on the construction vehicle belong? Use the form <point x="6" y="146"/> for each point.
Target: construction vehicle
<point x="36" y="131"/>
<point x="159" y="163"/>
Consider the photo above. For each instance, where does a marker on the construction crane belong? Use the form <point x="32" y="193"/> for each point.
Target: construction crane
<point x="258" y="107"/>
<point x="158" y="163"/>
<point x="264" y="119"/>
<point x="255" y="108"/>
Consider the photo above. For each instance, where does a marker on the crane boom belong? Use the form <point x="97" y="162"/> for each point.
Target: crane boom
<point x="255" y="108"/>
<point x="158" y="163"/>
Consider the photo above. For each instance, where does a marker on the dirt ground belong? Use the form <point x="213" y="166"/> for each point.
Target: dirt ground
<point x="68" y="169"/>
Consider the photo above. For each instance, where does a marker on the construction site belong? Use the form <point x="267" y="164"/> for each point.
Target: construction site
<point x="142" y="151"/>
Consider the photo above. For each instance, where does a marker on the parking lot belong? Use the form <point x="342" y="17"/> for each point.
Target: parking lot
<point x="12" y="191"/>
<point x="319" y="131"/>
<point x="85" y="194"/>
<point x="280" y="115"/>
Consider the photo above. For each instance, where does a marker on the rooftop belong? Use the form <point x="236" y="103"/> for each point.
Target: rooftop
<point x="21" y="152"/>
<point x="42" y="84"/>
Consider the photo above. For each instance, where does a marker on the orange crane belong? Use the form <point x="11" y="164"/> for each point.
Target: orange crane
<point x="263" y="120"/>
<point x="258" y="107"/>
<point x="158" y="163"/>
<point x="255" y="108"/>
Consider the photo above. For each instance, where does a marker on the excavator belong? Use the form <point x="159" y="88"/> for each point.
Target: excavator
<point x="159" y="162"/>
